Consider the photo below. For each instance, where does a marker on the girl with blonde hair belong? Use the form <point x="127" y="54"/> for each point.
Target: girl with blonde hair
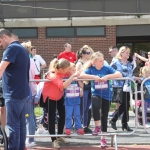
<point x="101" y="93"/>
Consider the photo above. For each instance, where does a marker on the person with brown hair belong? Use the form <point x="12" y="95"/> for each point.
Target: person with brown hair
<point x="39" y="62"/>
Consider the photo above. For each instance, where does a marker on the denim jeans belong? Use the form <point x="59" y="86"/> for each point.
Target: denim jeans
<point x="85" y="104"/>
<point x="73" y="110"/>
<point x="16" y="123"/>
<point x="31" y="118"/>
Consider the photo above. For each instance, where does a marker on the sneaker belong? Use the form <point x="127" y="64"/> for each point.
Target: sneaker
<point x="80" y="131"/>
<point x="55" y="144"/>
<point x="103" y="143"/>
<point x="41" y="131"/>
<point x="97" y="129"/>
<point x="62" y="139"/>
<point x="32" y="144"/>
<point x="68" y="131"/>
<point x="87" y="130"/>
<point x="147" y="125"/>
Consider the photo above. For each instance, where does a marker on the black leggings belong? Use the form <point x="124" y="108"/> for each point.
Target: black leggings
<point x="52" y="105"/>
<point x="123" y="109"/>
<point x="98" y="104"/>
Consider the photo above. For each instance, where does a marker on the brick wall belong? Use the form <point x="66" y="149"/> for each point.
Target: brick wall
<point x="46" y="47"/>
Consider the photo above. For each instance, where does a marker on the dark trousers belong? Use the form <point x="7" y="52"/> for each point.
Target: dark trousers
<point x="123" y="109"/>
<point x="100" y="108"/>
<point x="52" y="105"/>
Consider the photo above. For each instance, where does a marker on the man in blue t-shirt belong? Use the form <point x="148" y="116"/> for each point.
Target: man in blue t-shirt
<point x="14" y="70"/>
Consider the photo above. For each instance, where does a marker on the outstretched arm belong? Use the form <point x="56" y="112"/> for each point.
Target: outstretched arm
<point x="141" y="57"/>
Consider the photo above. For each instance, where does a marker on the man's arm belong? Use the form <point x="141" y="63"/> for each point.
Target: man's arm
<point x="3" y="66"/>
<point x="43" y="66"/>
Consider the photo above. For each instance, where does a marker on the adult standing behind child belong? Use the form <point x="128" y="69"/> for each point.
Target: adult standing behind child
<point x="72" y="103"/>
<point x="39" y="62"/>
<point x="30" y="103"/>
<point x="125" y="68"/>
<point x="146" y="60"/>
<point x="52" y="93"/>
<point x="101" y="91"/>
<point x="68" y="54"/>
<point x="83" y="56"/>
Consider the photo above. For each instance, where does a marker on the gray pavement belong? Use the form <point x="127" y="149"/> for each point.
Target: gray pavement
<point x="140" y="136"/>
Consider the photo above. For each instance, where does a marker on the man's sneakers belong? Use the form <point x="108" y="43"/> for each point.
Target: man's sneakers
<point x="29" y="145"/>
<point x="41" y="131"/>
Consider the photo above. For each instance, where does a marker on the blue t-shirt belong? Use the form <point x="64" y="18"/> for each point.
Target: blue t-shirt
<point x="72" y="96"/>
<point x="16" y="76"/>
<point x="104" y="90"/>
<point x="147" y="85"/>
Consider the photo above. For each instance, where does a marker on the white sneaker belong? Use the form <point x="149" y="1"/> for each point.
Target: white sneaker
<point x="32" y="144"/>
<point x="147" y="125"/>
<point x="41" y="131"/>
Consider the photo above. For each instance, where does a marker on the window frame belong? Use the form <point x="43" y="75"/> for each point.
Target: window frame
<point x="75" y="32"/>
<point x="25" y="37"/>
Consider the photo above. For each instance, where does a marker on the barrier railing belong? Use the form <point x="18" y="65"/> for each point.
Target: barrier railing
<point x="142" y="100"/>
<point x="113" y="135"/>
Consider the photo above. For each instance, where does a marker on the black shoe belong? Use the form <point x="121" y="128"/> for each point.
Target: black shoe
<point x="87" y="130"/>
<point x="125" y="126"/>
<point x="113" y="124"/>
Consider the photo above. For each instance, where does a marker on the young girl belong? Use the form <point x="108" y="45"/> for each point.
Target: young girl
<point x="101" y="94"/>
<point x="146" y="74"/>
<point x="52" y="93"/>
<point x="72" y="103"/>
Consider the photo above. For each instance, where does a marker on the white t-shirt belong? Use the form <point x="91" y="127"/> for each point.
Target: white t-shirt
<point x="38" y="60"/>
<point x="32" y="71"/>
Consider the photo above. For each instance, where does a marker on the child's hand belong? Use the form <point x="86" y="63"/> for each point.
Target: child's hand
<point x="103" y="79"/>
<point x="97" y="78"/>
<point x="77" y="74"/>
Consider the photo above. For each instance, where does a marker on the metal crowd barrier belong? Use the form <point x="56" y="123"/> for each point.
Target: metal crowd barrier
<point x="142" y="100"/>
<point x="113" y="135"/>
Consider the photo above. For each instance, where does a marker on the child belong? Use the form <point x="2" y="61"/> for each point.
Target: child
<point x="52" y="93"/>
<point x="101" y="94"/>
<point x="72" y="103"/>
<point x="146" y="74"/>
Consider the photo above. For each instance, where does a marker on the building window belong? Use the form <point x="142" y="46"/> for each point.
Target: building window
<point x="25" y="32"/>
<point x="60" y="32"/>
<point x="90" y="31"/>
